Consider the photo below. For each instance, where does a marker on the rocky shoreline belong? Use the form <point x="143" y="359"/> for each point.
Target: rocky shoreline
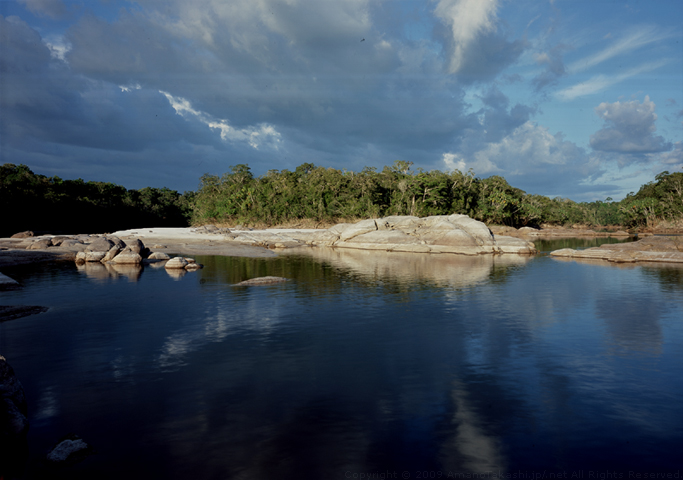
<point x="651" y="249"/>
<point x="454" y="234"/>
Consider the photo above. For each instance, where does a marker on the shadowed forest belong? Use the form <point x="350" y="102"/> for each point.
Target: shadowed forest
<point x="316" y="196"/>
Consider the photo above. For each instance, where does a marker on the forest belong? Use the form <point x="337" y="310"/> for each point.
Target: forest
<point x="49" y="204"/>
<point x="327" y="195"/>
<point x="315" y="196"/>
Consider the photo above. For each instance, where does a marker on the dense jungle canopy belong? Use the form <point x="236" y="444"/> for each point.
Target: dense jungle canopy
<point x="321" y="195"/>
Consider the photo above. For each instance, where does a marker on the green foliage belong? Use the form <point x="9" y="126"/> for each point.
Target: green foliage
<point x="36" y="202"/>
<point x="661" y="199"/>
<point x="328" y="195"/>
<point x="30" y="201"/>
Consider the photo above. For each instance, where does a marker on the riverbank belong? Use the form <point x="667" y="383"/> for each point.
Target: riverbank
<point x="259" y="243"/>
<point x="654" y="249"/>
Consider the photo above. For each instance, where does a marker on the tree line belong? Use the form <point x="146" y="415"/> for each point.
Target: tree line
<point x="317" y="194"/>
<point x="49" y="204"/>
<point x="327" y="195"/>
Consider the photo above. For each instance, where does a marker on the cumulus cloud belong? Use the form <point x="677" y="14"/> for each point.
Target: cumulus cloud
<point x="467" y="19"/>
<point x="532" y="159"/>
<point x="672" y="160"/>
<point x="474" y="47"/>
<point x="629" y="128"/>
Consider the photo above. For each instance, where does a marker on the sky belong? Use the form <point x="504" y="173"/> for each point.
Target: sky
<point x="581" y="99"/>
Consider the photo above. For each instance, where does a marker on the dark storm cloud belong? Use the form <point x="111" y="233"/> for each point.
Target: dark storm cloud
<point x="307" y="74"/>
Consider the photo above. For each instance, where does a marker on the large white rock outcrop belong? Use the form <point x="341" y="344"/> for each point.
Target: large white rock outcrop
<point x="457" y="234"/>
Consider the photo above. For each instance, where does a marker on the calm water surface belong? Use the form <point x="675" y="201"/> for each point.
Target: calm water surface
<point x="365" y="363"/>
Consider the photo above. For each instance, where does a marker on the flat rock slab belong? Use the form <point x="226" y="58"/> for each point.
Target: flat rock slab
<point x="12" y="312"/>
<point x="457" y="234"/>
<point x="261" y="281"/>
<point x="6" y="282"/>
<point x="620" y="256"/>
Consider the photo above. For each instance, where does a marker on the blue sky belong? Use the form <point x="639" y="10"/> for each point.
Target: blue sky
<point x="571" y="98"/>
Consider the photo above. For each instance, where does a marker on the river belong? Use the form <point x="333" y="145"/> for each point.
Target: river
<point x="363" y="365"/>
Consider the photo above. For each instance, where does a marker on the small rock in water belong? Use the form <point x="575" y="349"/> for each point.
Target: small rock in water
<point x="176" y="262"/>
<point x="261" y="281"/>
<point x="69" y="450"/>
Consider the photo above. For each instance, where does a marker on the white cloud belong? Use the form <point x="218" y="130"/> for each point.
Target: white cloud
<point x="672" y="160"/>
<point x="526" y="146"/>
<point x="601" y="82"/>
<point x="467" y="19"/>
<point x="255" y="136"/>
<point x="531" y="158"/>
<point x="629" y="128"/>
<point x="634" y="40"/>
<point x="130" y="88"/>
<point x="454" y="161"/>
<point x="58" y="46"/>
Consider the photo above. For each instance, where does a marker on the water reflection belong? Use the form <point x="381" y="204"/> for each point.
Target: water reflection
<point x="364" y="362"/>
<point x="471" y="448"/>
<point x="104" y="272"/>
<point x="577" y="243"/>
<point x="632" y="323"/>
<point x="442" y="270"/>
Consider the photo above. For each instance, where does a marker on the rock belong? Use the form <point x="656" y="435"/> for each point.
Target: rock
<point x="158" y="246"/>
<point x="194" y="266"/>
<point x="12" y="312"/>
<point x="99" y="245"/>
<point x="458" y="234"/>
<point x="117" y="242"/>
<point x="69" y="450"/>
<point x="127" y="257"/>
<point x="135" y="246"/>
<point x="176" y="262"/>
<point x="190" y="260"/>
<point x="57" y="241"/>
<point x="41" y="244"/>
<point x="26" y="234"/>
<point x="530" y="231"/>
<point x="7" y="283"/>
<point x="353" y="230"/>
<point x="80" y="258"/>
<point x="93" y="256"/>
<point x="657" y="249"/>
<point x="72" y="243"/>
<point x="113" y="252"/>
<point x="158" y="256"/>
<point x="261" y="281"/>
<point x="384" y="236"/>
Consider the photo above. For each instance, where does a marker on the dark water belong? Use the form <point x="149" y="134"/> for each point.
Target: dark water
<point x="392" y="365"/>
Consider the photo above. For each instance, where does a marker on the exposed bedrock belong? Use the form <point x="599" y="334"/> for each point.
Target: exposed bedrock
<point x="458" y="234"/>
